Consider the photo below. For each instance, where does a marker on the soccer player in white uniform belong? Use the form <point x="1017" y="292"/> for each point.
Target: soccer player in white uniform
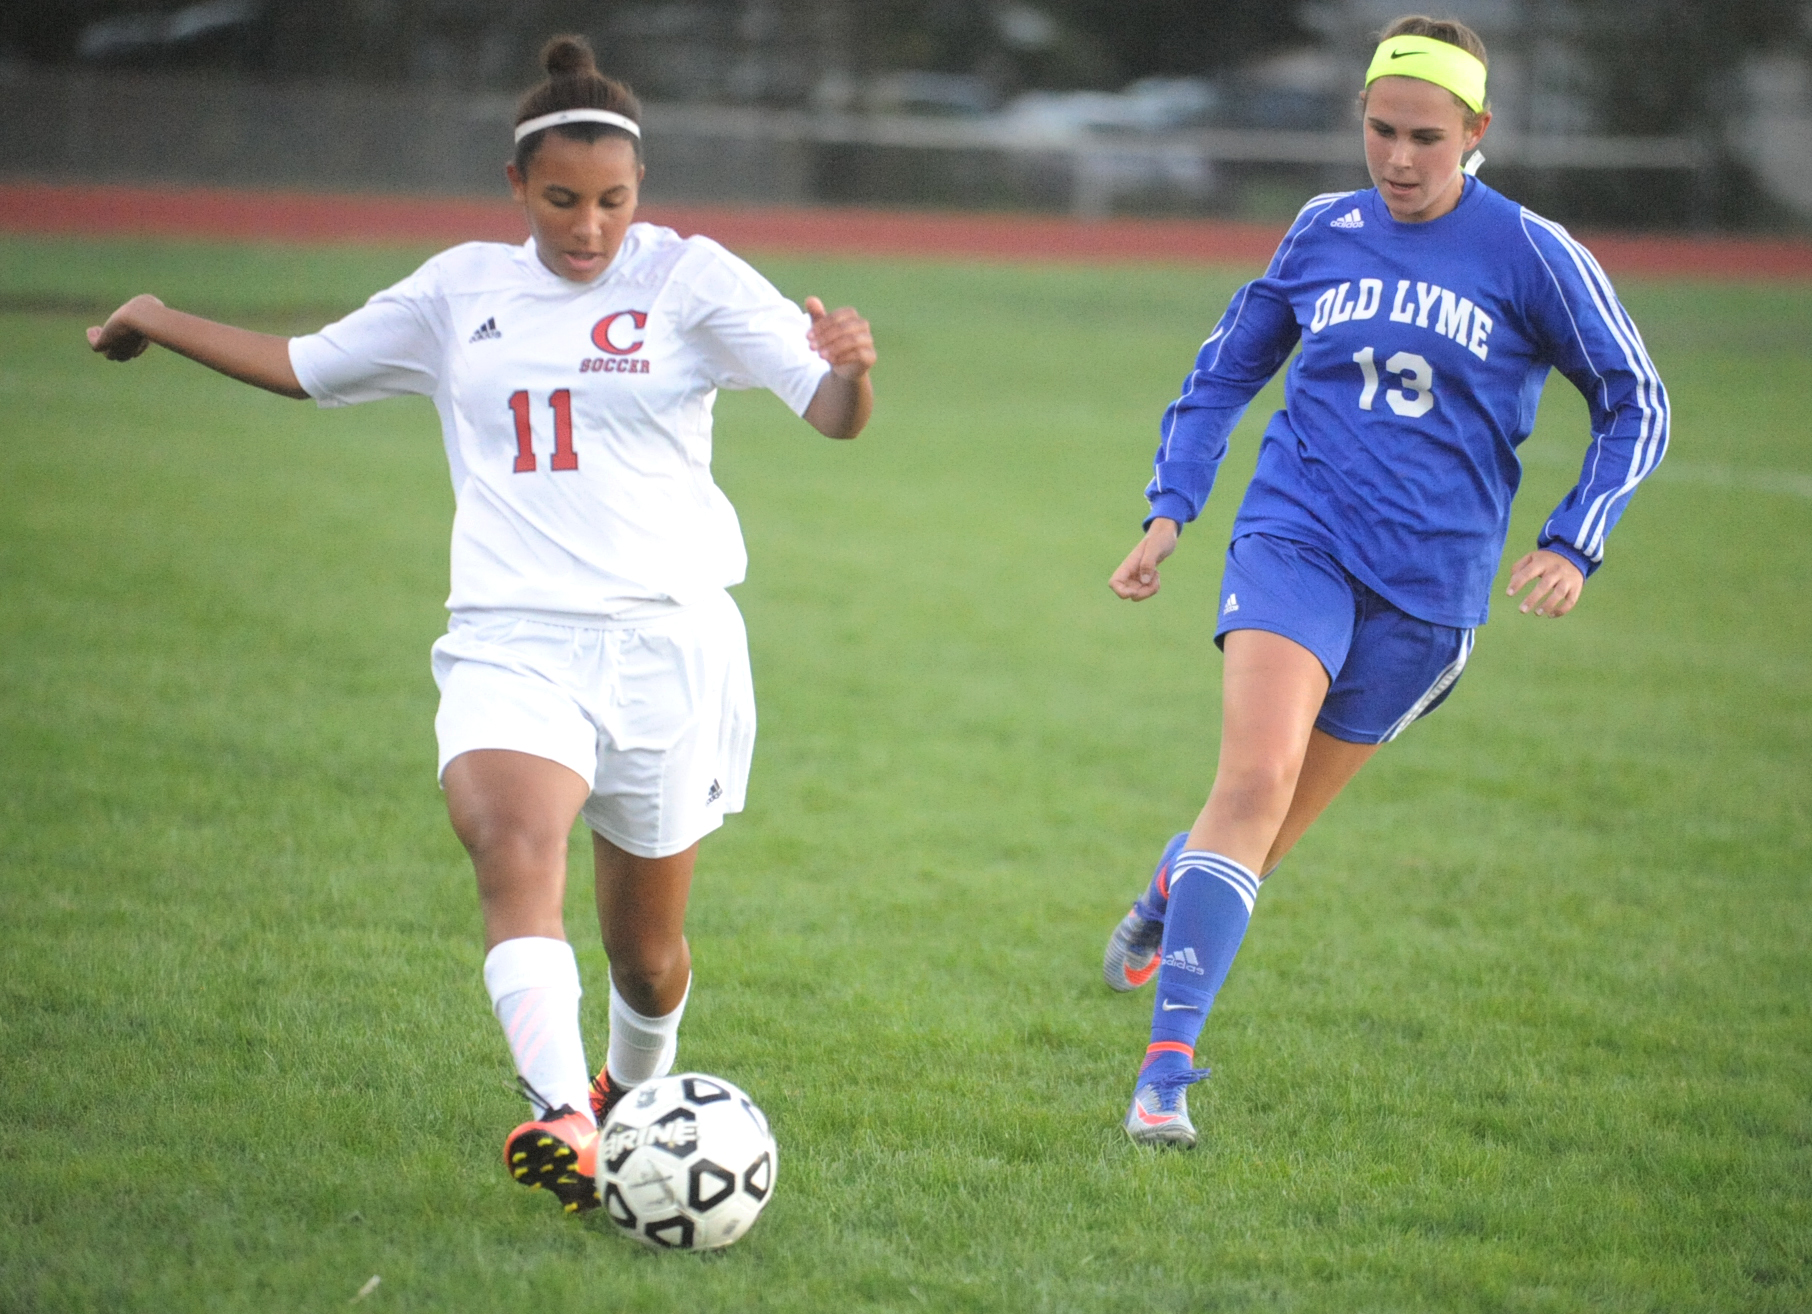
<point x="594" y="664"/>
<point x="1429" y="311"/>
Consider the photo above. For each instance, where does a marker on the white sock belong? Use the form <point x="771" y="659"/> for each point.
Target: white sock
<point x="534" y="986"/>
<point x="642" y="1048"/>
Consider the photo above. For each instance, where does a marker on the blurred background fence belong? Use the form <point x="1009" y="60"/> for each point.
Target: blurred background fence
<point x="1671" y="114"/>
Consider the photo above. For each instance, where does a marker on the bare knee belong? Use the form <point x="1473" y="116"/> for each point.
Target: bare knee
<point x="1255" y="794"/>
<point x="497" y="838"/>
<point x="650" y="976"/>
<point x="521" y="869"/>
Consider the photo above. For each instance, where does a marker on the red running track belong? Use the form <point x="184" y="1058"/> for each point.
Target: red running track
<point x="195" y="212"/>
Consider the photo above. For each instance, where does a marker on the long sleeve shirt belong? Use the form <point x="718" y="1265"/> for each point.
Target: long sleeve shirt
<point x="1424" y="349"/>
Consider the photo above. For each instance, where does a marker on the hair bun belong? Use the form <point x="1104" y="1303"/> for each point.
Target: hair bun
<point x="568" y="56"/>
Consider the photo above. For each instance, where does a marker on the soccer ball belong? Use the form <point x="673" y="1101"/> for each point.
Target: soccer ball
<point x="686" y="1162"/>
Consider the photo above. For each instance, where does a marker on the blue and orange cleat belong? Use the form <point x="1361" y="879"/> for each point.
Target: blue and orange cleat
<point x="558" y="1151"/>
<point x="1160" y="1109"/>
<point x="1132" y="950"/>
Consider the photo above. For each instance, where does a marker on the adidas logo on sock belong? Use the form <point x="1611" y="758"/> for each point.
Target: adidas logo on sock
<point x="1232" y="604"/>
<point x="1185" y="958"/>
<point x="1351" y="219"/>
<point x="486" y="331"/>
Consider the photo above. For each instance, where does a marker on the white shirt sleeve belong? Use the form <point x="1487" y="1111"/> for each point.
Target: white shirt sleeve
<point x="752" y="336"/>
<point x="389" y="347"/>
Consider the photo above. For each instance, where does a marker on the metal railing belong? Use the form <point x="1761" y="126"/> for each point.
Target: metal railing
<point x="194" y="129"/>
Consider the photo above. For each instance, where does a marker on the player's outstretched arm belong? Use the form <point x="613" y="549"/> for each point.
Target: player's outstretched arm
<point x="260" y="359"/>
<point x="1137" y="578"/>
<point x="1558" y="583"/>
<point x="845" y="398"/>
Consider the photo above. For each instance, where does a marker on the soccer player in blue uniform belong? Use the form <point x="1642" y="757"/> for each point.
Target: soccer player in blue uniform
<point x="1429" y="311"/>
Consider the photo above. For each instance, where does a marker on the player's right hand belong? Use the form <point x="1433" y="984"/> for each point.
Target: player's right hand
<point x="117" y="339"/>
<point x="1137" y="578"/>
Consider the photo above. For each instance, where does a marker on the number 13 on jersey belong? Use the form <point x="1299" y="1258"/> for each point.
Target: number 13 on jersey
<point x="1415" y="397"/>
<point x="564" y="458"/>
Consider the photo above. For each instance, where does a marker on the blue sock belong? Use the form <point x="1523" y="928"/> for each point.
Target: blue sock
<point x="1209" y="905"/>
<point x="1152" y="903"/>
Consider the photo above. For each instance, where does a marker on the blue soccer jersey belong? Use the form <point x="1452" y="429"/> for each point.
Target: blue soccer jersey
<point x="1424" y="351"/>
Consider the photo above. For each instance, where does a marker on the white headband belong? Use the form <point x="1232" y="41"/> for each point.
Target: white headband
<point x="555" y="119"/>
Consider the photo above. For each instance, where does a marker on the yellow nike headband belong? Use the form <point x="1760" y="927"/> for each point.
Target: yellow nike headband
<point x="1432" y="61"/>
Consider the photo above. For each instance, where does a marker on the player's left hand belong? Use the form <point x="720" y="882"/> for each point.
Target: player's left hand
<point x="119" y="338"/>
<point x="842" y="337"/>
<point x="1557" y="581"/>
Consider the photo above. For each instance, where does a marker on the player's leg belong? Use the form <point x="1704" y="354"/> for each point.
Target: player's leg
<point x="1132" y="950"/>
<point x="513" y="811"/>
<point x="1271" y="690"/>
<point x="679" y="733"/>
<point x="517" y="757"/>
<point x="1327" y="766"/>
<point x="642" y="917"/>
<point x="1398" y="669"/>
<point x="1295" y="605"/>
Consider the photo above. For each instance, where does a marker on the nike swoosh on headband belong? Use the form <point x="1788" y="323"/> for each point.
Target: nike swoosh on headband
<point x="1444" y="64"/>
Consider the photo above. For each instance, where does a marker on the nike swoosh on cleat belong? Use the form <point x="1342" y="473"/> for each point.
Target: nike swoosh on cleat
<point x="1153" y="1119"/>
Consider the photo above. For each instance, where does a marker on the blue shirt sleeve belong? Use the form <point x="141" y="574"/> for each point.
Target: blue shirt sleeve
<point x="1254" y="338"/>
<point x="1594" y="343"/>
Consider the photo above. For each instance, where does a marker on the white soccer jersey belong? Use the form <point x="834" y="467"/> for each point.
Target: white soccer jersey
<point x="576" y="416"/>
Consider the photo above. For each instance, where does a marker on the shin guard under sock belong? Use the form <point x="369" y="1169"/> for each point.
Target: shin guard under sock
<point x="533" y="982"/>
<point x="1208" y="907"/>
<point x="642" y="1048"/>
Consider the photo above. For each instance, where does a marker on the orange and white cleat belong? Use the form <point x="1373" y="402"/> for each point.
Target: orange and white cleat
<point x="606" y="1093"/>
<point x="558" y="1151"/>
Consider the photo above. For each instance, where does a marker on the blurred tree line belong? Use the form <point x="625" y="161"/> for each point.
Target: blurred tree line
<point x="1054" y="43"/>
<point x="1654" y="66"/>
<point x="1663" y="66"/>
<point x="1735" y="74"/>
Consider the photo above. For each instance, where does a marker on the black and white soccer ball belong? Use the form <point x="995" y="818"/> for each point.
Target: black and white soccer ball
<point x="686" y="1163"/>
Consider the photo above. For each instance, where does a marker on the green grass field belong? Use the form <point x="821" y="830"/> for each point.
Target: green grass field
<point x="1522" y="1026"/>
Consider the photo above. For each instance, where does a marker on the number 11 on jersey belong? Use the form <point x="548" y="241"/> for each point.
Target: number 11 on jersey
<point x="565" y="458"/>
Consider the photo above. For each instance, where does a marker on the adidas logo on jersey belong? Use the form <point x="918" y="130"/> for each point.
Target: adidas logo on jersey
<point x="1351" y="219"/>
<point x="486" y="331"/>
<point x="1232" y="604"/>
<point x="1185" y="958"/>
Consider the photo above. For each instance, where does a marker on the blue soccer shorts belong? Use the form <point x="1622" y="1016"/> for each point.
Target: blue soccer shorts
<point x="1386" y="667"/>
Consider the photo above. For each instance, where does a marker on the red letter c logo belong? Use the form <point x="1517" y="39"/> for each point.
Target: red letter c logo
<point x="601" y="332"/>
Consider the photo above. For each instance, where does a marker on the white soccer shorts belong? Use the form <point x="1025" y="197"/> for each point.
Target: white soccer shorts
<point x="658" y="714"/>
